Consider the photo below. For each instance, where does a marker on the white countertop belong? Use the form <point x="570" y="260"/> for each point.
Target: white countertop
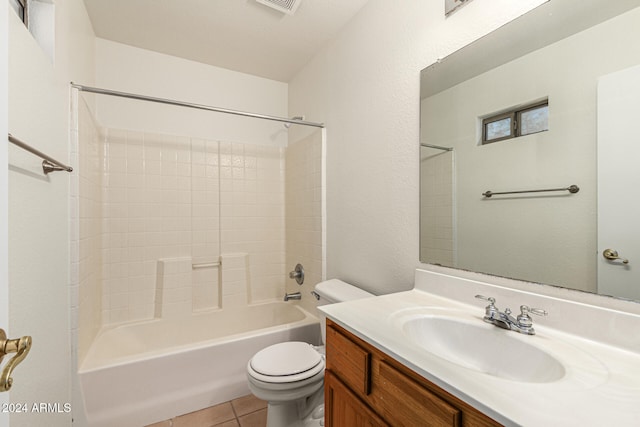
<point x="601" y="386"/>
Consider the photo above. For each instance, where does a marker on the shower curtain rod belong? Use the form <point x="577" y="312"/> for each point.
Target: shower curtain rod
<point x="191" y="105"/>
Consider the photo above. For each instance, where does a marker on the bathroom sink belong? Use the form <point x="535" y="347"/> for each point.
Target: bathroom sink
<point x="475" y="345"/>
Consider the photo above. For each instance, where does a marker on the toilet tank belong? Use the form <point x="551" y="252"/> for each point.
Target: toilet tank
<point x="334" y="291"/>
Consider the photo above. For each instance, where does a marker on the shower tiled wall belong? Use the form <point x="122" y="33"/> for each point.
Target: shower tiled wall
<point x="144" y="206"/>
<point x="86" y="227"/>
<point x="175" y="197"/>
<point x="146" y="215"/>
<point x="174" y="290"/>
<point x="304" y="191"/>
<point x="437" y="216"/>
<point x="252" y="213"/>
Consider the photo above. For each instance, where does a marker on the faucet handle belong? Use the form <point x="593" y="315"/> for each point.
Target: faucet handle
<point x="524" y="309"/>
<point x="298" y="274"/>
<point x="537" y="311"/>
<point x="491" y="300"/>
<point x="490" y="311"/>
<point x="524" y="320"/>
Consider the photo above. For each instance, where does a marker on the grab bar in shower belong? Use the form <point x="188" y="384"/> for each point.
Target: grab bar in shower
<point x="49" y="164"/>
<point x="206" y="265"/>
<point x="571" y="189"/>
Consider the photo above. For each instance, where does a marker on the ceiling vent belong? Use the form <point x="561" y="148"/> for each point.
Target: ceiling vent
<point x="285" y="6"/>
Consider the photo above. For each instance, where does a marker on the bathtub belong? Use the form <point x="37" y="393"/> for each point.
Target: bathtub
<point x="140" y="373"/>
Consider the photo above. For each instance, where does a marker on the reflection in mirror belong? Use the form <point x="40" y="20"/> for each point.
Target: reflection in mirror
<point x="578" y="60"/>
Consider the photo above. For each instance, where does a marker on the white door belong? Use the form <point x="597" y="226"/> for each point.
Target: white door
<point x="619" y="183"/>
<point x="4" y="286"/>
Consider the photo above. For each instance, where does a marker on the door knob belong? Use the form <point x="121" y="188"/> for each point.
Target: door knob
<point x="21" y="347"/>
<point x="612" y="255"/>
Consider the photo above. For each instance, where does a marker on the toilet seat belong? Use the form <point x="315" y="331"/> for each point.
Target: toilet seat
<point x="286" y="362"/>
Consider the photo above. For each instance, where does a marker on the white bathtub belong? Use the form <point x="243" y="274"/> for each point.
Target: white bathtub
<point x="141" y="373"/>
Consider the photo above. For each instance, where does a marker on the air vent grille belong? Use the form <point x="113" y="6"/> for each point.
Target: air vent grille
<point x="285" y="6"/>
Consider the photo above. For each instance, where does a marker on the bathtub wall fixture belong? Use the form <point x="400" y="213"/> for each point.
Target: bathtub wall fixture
<point x="297" y="274"/>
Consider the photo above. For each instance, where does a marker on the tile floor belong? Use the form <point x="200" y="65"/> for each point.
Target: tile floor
<point x="246" y="411"/>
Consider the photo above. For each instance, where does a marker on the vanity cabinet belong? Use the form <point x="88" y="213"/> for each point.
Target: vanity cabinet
<point x="366" y="387"/>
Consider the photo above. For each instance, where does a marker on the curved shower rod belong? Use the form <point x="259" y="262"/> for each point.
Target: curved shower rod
<point x="192" y="105"/>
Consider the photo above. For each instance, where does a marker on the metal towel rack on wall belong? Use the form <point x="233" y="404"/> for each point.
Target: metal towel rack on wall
<point x="49" y="164"/>
<point x="571" y="189"/>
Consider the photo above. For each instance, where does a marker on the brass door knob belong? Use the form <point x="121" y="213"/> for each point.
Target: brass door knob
<point x="21" y="347"/>
<point x="612" y="255"/>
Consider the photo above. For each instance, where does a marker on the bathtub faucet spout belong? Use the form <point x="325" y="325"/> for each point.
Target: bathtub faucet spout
<point x="295" y="295"/>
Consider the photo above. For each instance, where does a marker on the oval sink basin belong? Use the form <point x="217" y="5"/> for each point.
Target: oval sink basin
<point x="483" y="348"/>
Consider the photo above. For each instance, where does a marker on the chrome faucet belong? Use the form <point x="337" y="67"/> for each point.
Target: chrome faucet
<point x="522" y="323"/>
<point x="295" y="295"/>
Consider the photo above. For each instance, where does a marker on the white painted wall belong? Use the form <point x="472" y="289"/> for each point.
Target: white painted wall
<point x="130" y="69"/>
<point x="38" y="207"/>
<point x="365" y="87"/>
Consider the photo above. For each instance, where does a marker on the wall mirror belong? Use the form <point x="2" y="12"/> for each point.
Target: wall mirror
<point x="580" y="57"/>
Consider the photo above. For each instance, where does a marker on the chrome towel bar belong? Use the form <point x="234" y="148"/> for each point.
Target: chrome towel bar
<point x="49" y="164"/>
<point x="571" y="189"/>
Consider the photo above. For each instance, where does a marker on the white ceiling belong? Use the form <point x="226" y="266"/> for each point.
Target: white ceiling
<point x="240" y="35"/>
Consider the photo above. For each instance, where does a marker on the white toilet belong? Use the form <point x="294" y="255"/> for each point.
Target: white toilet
<point x="290" y="375"/>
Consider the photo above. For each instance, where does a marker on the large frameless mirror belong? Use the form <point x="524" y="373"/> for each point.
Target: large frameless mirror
<point x="525" y="145"/>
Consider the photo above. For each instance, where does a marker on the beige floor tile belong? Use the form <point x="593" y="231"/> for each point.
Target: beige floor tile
<point x="247" y="404"/>
<point x="254" y="419"/>
<point x="166" y="423"/>
<point x="208" y="417"/>
<point x="232" y="423"/>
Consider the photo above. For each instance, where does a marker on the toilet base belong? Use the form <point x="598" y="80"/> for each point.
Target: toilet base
<point x="308" y="412"/>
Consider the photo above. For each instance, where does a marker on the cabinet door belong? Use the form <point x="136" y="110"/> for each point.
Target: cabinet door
<point x="345" y="409"/>
<point x="404" y="402"/>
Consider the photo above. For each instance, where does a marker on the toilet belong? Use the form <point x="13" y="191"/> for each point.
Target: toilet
<point x="290" y="375"/>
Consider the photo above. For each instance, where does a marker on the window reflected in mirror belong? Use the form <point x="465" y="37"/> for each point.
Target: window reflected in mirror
<point x="516" y="122"/>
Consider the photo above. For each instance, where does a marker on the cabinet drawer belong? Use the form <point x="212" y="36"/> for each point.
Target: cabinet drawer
<point x="349" y="361"/>
<point x="403" y="402"/>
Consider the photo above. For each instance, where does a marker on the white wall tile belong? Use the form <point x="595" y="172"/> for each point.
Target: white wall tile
<point x="87" y="230"/>
<point x="158" y="197"/>
<point x="303" y="214"/>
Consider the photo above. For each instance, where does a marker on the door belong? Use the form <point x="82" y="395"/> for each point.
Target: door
<point x="4" y="287"/>
<point x="618" y="183"/>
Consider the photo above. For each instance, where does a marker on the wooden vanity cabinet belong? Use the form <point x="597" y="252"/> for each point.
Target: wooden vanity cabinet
<point x="364" y="387"/>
